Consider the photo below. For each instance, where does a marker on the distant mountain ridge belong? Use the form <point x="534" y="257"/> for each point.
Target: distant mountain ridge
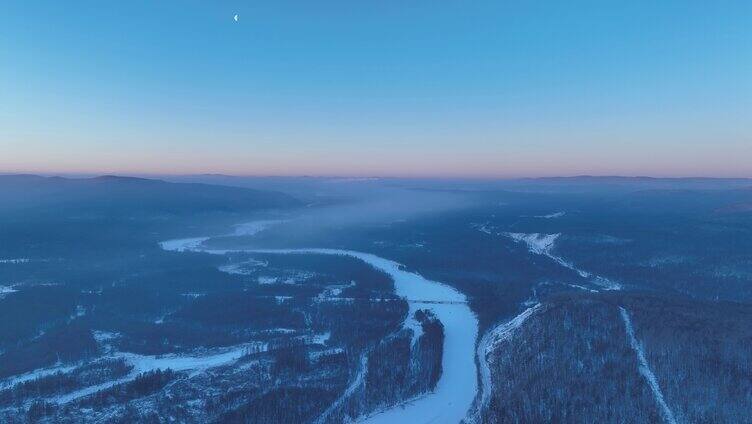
<point x="620" y="178"/>
<point x="131" y="195"/>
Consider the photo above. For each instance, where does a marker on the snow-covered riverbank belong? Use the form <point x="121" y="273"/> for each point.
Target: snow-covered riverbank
<point x="458" y="385"/>
<point x="195" y="363"/>
<point x="486" y="346"/>
<point x="145" y="363"/>
<point x="194" y="244"/>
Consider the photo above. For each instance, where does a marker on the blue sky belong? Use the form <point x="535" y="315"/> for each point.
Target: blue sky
<point x="407" y="88"/>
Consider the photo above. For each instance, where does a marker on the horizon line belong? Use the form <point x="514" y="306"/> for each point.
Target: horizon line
<point x="366" y="176"/>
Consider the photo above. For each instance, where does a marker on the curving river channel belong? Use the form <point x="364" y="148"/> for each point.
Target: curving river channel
<point x="458" y="385"/>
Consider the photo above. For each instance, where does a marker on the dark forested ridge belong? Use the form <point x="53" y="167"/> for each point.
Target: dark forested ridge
<point x="113" y="196"/>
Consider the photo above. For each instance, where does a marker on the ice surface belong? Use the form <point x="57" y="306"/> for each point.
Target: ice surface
<point x="457" y="387"/>
<point x="458" y="384"/>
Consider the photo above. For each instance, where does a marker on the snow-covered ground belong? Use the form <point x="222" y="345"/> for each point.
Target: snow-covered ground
<point x="243" y="268"/>
<point x="194" y="243"/>
<point x="254" y="227"/>
<point x="551" y="215"/>
<point x="295" y="278"/>
<point x="78" y="313"/>
<point x="543" y="244"/>
<point x="484" y="228"/>
<point x="583" y="288"/>
<point x="606" y="283"/>
<point x="262" y="280"/>
<point x="318" y="354"/>
<point x="15" y="261"/>
<point x="195" y="363"/>
<point x="486" y="346"/>
<point x="458" y="384"/>
<point x="33" y="375"/>
<point x="355" y="383"/>
<point x="104" y="337"/>
<point x="145" y="363"/>
<point x="536" y="242"/>
<point x="6" y="290"/>
<point x="183" y="245"/>
<point x="645" y="370"/>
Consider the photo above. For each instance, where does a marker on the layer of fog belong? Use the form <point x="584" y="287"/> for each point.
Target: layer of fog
<point x="345" y="205"/>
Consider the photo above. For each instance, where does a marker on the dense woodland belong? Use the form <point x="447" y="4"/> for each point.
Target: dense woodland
<point x="570" y="364"/>
<point x="94" y="282"/>
<point x="701" y="353"/>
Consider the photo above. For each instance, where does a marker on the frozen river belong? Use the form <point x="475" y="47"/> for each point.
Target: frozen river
<point x="458" y="385"/>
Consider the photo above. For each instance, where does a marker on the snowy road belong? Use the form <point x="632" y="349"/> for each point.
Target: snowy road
<point x="487" y="345"/>
<point x="354" y="385"/>
<point x="645" y="370"/>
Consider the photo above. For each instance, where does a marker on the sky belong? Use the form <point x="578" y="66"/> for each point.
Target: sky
<point x="377" y="88"/>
